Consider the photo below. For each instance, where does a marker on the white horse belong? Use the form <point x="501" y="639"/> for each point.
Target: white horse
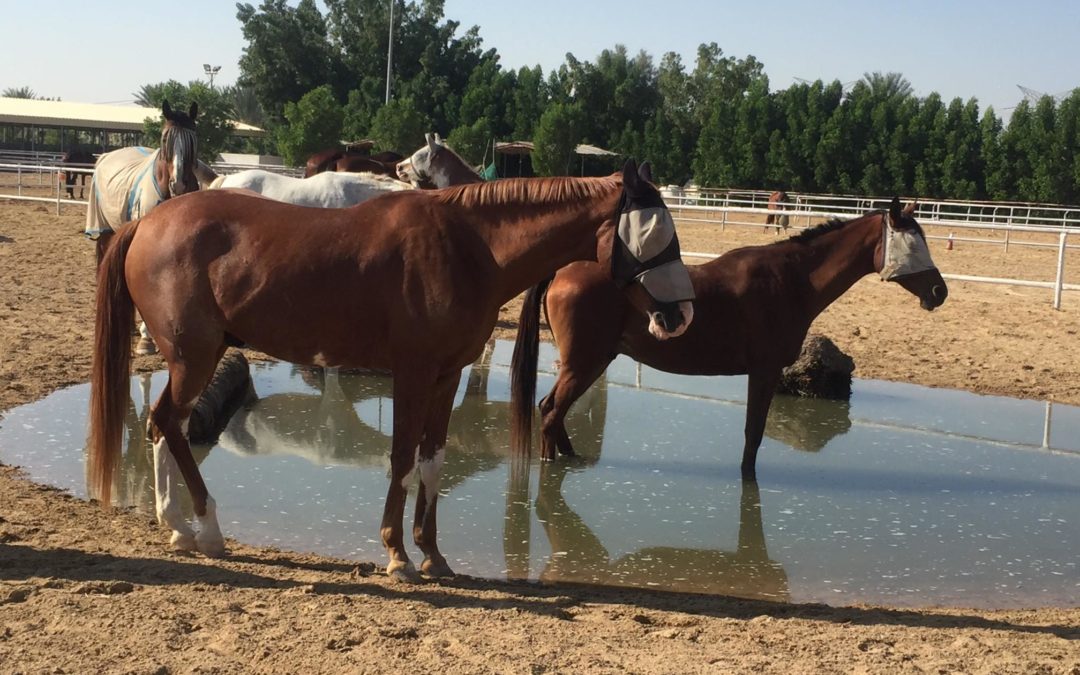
<point x="436" y="165"/>
<point x="333" y="190"/>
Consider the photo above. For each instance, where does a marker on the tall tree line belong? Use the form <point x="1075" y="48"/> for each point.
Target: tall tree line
<point x="318" y="77"/>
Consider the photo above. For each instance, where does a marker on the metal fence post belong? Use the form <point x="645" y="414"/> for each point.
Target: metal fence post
<point x="58" y="182"/>
<point x="1060" y="281"/>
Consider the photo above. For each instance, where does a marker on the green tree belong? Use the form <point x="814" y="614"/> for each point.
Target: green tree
<point x="557" y="135"/>
<point x="996" y="179"/>
<point x="214" y="124"/>
<point x="400" y="126"/>
<point x="472" y="141"/>
<point x="19" y="92"/>
<point x="287" y="53"/>
<point x="313" y="124"/>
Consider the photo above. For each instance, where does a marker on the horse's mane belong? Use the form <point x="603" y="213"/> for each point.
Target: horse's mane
<point x="527" y="191"/>
<point x="831" y="225"/>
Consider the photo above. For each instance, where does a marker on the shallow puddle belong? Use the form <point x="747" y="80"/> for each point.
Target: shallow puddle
<point x="908" y="496"/>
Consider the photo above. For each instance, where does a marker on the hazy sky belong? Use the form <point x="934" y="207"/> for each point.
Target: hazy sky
<point x="962" y="48"/>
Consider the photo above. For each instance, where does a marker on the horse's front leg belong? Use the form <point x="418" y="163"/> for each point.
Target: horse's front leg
<point x="761" y="385"/>
<point x="432" y="453"/>
<point x="412" y="397"/>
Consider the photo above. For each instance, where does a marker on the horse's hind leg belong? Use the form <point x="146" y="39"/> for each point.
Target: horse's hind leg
<point x="172" y="454"/>
<point x="576" y="375"/>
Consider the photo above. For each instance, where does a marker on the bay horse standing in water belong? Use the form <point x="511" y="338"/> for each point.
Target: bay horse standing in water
<point x="753" y="308"/>
<point x="409" y="282"/>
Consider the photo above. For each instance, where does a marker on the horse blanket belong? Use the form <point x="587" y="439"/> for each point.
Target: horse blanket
<point x="122" y="189"/>
<point x="333" y="190"/>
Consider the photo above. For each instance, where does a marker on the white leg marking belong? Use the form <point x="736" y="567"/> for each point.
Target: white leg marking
<point x="143" y="332"/>
<point x="408" y="477"/>
<point x="429" y="475"/>
<point x="209" y="538"/>
<point x="166" y="499"/>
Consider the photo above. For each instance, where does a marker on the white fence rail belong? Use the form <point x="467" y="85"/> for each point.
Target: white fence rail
<point x="731" y="207"/>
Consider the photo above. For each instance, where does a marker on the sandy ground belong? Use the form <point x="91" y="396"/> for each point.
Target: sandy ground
<point x="87" y="590"/>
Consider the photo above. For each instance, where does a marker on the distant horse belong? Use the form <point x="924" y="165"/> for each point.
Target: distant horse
<point x="436" y="164"/>
<point x="382" y="163"/>
<point x="128" y="183"/>
<point x="776" y="199"/>
<point x="76" y="158"/>
<point x="753" y="309"/>
<point x="326" y="190"/>
<point x="411" y="282"/>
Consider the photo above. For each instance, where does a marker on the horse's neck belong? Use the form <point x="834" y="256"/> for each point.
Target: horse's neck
<point x="534" y="242"/>
<point x="454" y="172"/>
<point x="840" y="258"/>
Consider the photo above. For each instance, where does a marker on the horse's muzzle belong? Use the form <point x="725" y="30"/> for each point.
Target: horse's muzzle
<point x="670" y="319"/>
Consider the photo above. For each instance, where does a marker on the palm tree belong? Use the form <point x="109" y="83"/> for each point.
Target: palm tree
<point x="246" y="105"/>
<point x="887" y="85"/>
<point x="20" y="92"/>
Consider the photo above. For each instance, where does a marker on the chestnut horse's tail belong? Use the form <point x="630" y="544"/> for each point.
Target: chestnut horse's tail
<point x="109" y="387"/>
<point x="523" y="369"/>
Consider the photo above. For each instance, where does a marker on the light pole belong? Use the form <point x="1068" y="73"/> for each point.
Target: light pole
<point x="210" y="71"/>
<point x="390" y="51"/>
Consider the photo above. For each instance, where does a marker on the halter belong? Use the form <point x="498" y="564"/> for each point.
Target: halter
<point x="903" y="253"/>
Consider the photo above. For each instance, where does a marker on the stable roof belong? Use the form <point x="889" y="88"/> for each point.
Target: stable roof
<point x="39" y="113"/>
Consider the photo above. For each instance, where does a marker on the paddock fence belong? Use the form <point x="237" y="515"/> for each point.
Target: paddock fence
<point x="40" y="178"/>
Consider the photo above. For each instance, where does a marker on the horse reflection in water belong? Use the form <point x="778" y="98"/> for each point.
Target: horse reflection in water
<point x="343" y="420"/>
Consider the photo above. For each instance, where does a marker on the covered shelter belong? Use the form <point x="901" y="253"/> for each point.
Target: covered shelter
<point x="53" y="127"/>
<point x="522" y="150"/>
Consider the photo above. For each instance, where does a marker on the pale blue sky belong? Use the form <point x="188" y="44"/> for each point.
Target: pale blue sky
<point x="959" y="48"/>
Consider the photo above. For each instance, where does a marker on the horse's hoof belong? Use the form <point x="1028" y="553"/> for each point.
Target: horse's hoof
<point x="183" y="541"/>
<point x="436" y="569"/>
<point x="145" y="347"/>
<point x="211" y="547"/>
<point x="403" y="572"/>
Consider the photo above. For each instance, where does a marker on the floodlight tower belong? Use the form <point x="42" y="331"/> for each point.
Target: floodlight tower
<point x="211" y="71"/>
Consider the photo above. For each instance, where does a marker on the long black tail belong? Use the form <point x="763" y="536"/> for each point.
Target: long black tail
<point x="523" y="370"/>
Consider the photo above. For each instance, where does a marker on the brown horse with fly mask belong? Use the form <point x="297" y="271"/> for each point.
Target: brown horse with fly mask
<point x="410" y="282"/>
<point x="753" y="308"/>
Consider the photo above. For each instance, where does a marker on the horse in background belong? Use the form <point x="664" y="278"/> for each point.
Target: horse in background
<point x="411" y="283"/>
<point x="752" y="311"/>
<point x="436" y="165"/>
<point x="776" y="201"/>
<point x="334" y="159"/>
<point x="325" y="190"/>
<point x="79" y="158"/>
<point x="128" y="183"/>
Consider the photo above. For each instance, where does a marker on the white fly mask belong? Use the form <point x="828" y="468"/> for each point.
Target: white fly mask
<point x="905" y="252"/>
<point x="647" y="251"/>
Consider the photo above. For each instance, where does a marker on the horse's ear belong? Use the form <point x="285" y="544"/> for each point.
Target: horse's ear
<point x="909" y="210"/>
<point x="193" y="111"/>
<point x="438" y="138"/>
<point x="645" y="172"/>
<point x="630" y="178"/>
<point x="166" y="111"/>
<point x="430" y="139"/>
<point x="894" y="210"/>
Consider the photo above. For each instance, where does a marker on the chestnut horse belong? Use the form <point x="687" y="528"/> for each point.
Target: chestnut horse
<point x="409" y="282"/>
<point x="382" y="163"/>
<point x="436" y="165"/>
<point x="753" y="308"/>
<point x="776" y="202"/>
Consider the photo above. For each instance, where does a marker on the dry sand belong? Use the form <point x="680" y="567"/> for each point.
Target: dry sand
<point x="87" y="590"/>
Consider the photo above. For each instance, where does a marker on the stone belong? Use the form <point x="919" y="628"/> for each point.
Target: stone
<point x="821" y="371"/>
